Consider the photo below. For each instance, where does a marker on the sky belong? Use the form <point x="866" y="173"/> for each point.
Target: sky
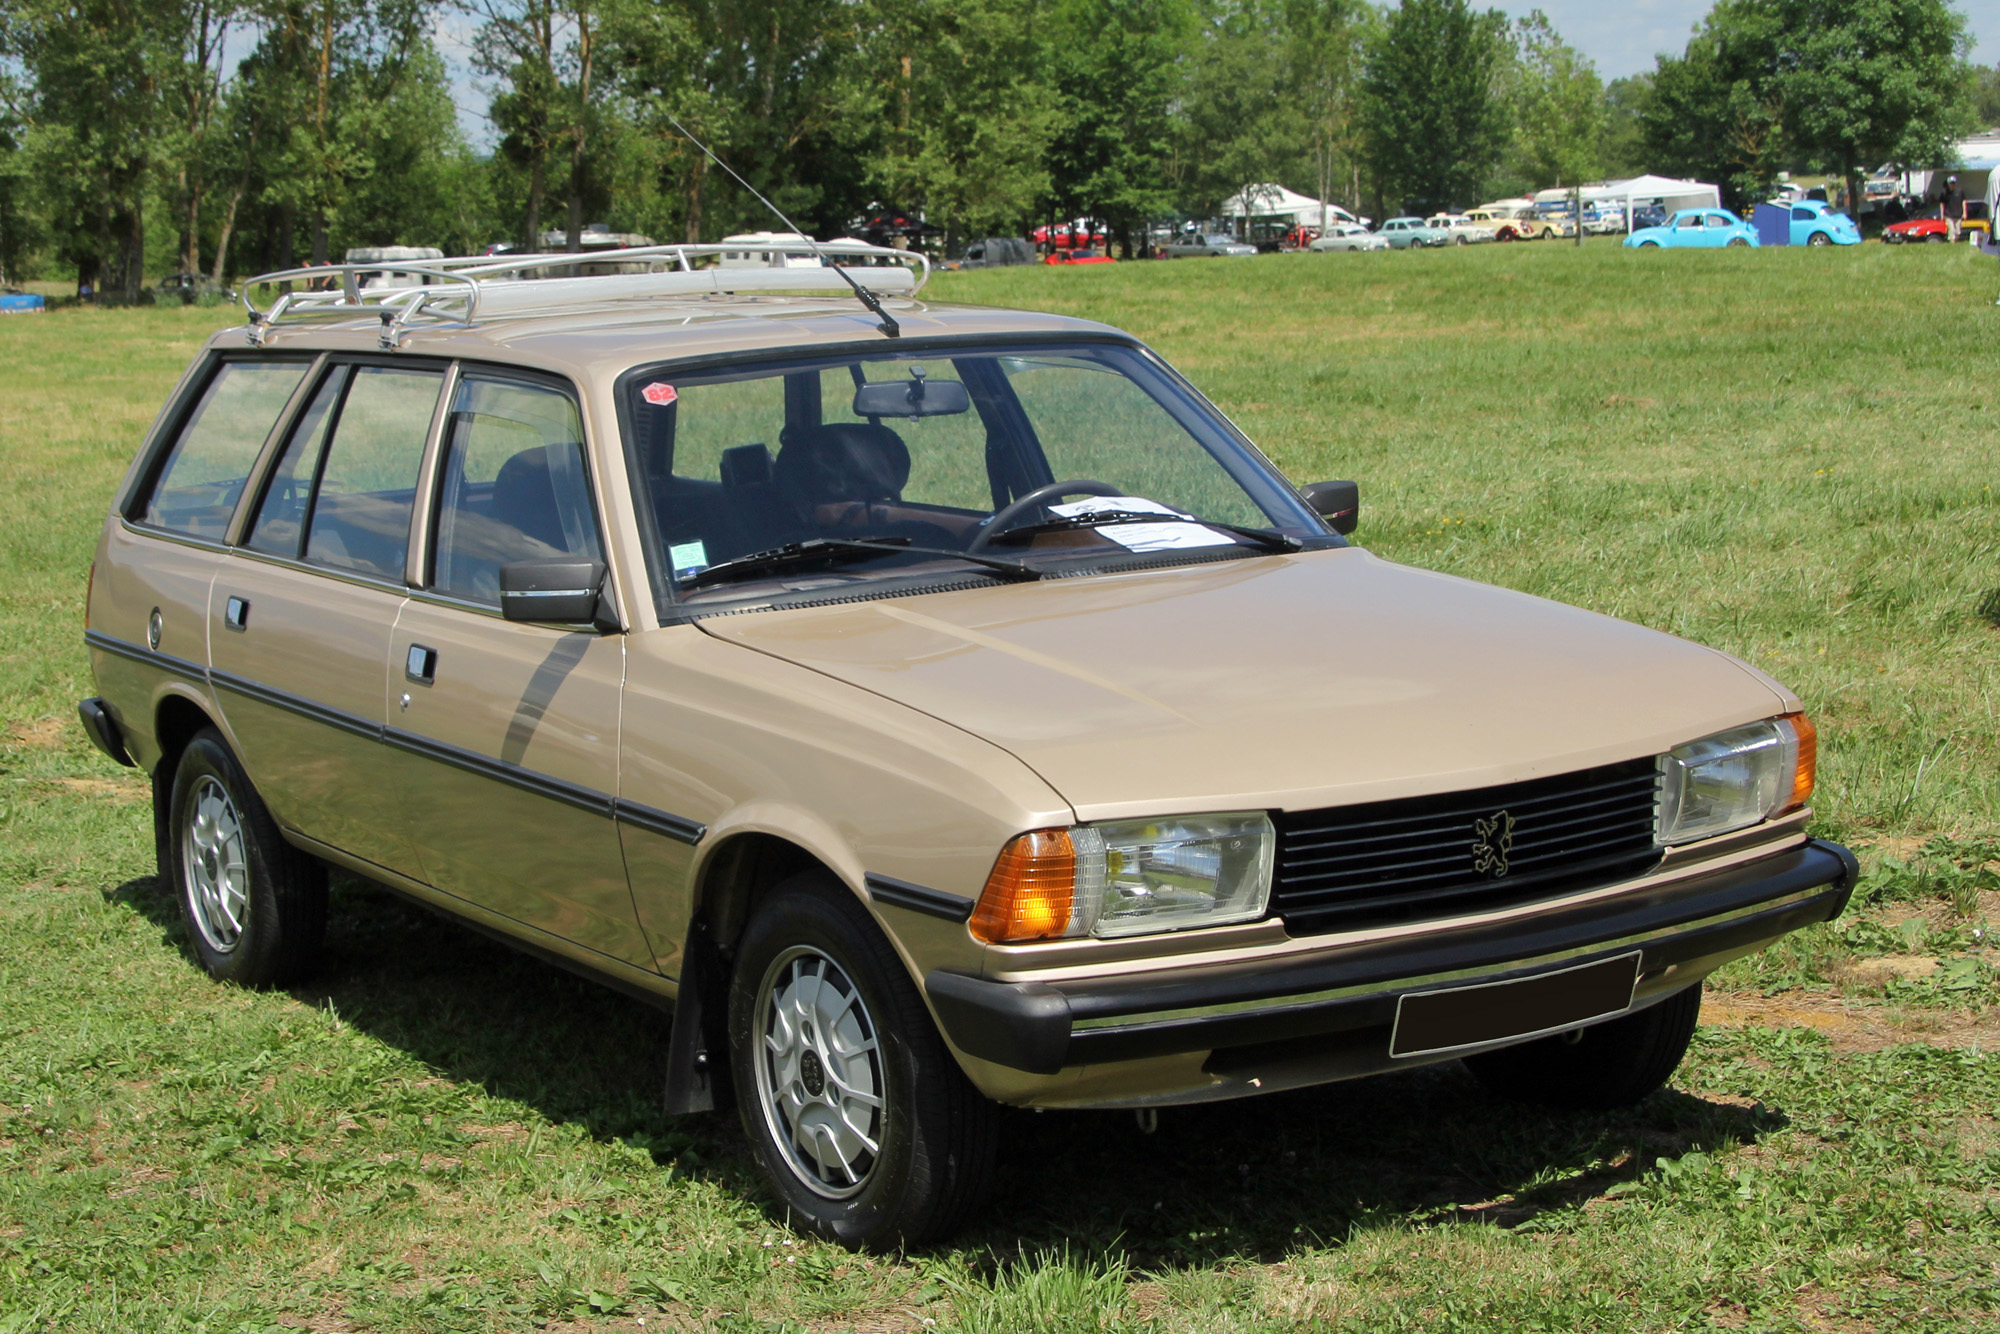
<point x="1620" y="36"/>
<point x="1623" y="36"/>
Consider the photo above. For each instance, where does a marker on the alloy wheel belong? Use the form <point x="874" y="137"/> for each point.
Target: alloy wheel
<point x="819" y="1072"/>
<point x="215" y="866"/>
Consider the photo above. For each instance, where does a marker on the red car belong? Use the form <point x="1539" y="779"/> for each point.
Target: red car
<point x="1085" y="255"/>
<point x="1916" y="229"/>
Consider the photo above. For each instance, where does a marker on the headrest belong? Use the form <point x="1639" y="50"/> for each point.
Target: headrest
<point x="524" y="496"/>
<point x="847" y="461"/>
<point x="746" y="465"/>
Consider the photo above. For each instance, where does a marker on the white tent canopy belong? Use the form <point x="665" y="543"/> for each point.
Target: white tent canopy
<point x="1638" y="190"/>
<point x="1271" y="200"/>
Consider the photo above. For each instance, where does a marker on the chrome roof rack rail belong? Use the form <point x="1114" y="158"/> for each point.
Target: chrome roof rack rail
<point x="460" y="292"/>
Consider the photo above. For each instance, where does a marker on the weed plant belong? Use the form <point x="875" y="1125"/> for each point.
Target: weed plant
<point x="1787" y="455"/>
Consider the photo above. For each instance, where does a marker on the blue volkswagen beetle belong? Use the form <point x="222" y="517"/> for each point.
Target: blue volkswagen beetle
<point x="1814" y="222"/>
<point x="1705" y="227"/>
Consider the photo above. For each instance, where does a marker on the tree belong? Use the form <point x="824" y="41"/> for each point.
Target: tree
<point x="1716" y="112"/>
<point x="1325" y="46"/>
<point x="1114" y="70"/>
<point x="1436" y="127"/>
<point x="1869" y="83"/>
<point x="967" y="112"/>
<point x="1985" y="96"/>
<point x="1623" y="149"/>
<point x="1559" y="112"/>
<point x="1238" y="120"/>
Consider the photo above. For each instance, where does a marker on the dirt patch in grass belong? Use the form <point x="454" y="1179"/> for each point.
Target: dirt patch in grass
<point x="122" y="792"/>
<point x="43" y="733"/>
<point x="1852" y="1026"/>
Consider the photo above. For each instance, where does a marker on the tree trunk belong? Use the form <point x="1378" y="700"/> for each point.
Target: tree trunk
<point x="692" y="234"/>
<point x="319" y="236"/>
<point x="228" y="228"/>
<point x="538" y="177"/>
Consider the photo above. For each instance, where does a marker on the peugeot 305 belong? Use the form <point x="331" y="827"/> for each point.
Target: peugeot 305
<point x="940" y="711"/>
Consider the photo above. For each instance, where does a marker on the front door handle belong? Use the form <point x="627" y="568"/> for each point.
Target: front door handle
<point x="236" y="613"/>
<point x="421" y="664"/>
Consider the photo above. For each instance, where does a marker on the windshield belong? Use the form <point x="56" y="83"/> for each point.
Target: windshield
<point x="946" y="465"/>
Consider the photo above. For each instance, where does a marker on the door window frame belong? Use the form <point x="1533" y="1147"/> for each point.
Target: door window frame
<point x="430" y="491"/>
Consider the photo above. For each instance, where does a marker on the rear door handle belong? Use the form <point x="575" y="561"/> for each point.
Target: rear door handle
<point x="236" y="613"/>
<point x="421" y="664"/>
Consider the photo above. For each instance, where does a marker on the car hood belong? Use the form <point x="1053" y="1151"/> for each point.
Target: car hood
<point x="1279" y="682"/>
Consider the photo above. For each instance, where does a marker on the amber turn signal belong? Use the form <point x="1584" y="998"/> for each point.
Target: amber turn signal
<point x="1805" y="763"/>
<point x="1031" y="892"/>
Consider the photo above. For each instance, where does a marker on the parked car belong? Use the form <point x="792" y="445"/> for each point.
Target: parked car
<point x="1516" y="220"/>
<point x="726" y="653"/>
<point x="994" y="252"/>
<point x="1814" y="222"/>
<point x="1458" y="229"/>
<point x="1696" y="227"/>
<point x="1409" y="233"/>
<point x="1350" y="236"/>
<point x="1648" y="215"/>
<point x="1192" y="244"/>
<point x="1916" y="229"/>
<point x="1082" y="256"/>
<point x="189" y="288"/>
<point x="1072" y="235"/>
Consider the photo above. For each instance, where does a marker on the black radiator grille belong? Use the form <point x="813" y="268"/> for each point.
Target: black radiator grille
<point x="1389" y="861"/>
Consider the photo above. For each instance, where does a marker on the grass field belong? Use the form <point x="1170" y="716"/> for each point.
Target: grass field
<point x="1789" y="455"/>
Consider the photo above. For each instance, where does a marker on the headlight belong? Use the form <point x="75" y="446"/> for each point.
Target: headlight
<point x="1129" y="877"/>
<point x="1735" y="778"/>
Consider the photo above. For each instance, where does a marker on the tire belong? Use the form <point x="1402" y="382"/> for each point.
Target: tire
<point x="1649" y="245"/>
<point x="1819" y="238"/>
<point x="1609" y="1065"/>
<point x="1460" y="240"/>
<point x="1935" y="238"/>
<point x="1735" y="241"/>
<point x="254" y="905"/>
<point x="920" y="1161"/>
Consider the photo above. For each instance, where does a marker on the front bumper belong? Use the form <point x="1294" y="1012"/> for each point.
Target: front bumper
<point x="1683" y="930"/>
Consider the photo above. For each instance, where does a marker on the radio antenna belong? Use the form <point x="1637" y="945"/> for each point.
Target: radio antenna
<point x="869" y="299"/>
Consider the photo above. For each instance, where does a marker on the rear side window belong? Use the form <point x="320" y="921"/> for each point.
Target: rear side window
<point x="514" y="486"/>
<point x="360" y="515"/>
<point x="204" y="472"/>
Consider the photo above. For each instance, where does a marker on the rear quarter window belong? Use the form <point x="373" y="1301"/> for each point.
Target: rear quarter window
<point x="204" y="471"/>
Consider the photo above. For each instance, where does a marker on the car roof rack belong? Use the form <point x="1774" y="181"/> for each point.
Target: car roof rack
<point x="467" y="291"/>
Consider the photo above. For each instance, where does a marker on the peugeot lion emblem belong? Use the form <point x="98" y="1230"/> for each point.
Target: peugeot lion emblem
<point x="1494" y="842"/>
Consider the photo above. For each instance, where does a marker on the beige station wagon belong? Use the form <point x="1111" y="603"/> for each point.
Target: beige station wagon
<point x="938" y="707"/>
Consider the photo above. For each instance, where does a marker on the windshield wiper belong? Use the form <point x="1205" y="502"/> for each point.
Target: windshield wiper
<point x="822" y="550"/>
<point x="1267" y="538"/>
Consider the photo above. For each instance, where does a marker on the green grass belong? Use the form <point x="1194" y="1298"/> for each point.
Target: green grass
<point x="1785" y="454"/>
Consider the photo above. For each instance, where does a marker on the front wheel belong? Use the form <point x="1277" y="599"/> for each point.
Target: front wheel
<point x="255" y="906"/>
<point x="1460" y="240"/>
<point x="1649" y="245"/>
<point x="1612" y="1064"/>
<point x="863" y="1124"/>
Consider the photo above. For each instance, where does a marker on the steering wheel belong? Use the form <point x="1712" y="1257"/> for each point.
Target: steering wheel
<point x="1039" y="498"/>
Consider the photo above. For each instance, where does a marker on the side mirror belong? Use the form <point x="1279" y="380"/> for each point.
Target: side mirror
<point x="1339" y="503"/>
<point x="563" y="591"/>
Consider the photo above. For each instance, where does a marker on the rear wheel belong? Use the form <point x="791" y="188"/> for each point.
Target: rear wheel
<point x="1819" y="238"/>
<point x="866" y="1129"/>
<point x="1612" y="1064"/>
<point x="255" y="906"/>
<point x="1735" y="241"/>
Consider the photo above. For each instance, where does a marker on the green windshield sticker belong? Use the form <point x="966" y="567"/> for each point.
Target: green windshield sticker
<point x="688" y="558"/>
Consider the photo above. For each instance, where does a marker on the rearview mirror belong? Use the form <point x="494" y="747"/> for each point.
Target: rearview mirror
<point x="915" y="397"/>
<point x="563" y="591"/>
<point x="1339" y="503"/>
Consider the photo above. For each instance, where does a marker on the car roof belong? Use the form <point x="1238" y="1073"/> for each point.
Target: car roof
<point x="600" y="341"/>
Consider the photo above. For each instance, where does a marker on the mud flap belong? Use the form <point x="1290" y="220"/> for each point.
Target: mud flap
<point x="698" y="1051"/>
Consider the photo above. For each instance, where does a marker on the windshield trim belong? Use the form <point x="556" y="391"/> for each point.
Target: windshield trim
<point x="672" y="607"/>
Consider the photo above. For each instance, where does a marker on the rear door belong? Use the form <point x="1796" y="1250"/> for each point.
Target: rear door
<point x="509" y="732"/>
<point x="303" y="610"/>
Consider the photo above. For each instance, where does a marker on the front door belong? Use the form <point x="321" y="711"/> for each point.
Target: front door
<point x="510" y="732"/>
<point x="302" y="612"/>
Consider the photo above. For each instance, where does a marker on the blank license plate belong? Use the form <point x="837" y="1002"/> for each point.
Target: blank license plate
<point x="1428" y="1022"/>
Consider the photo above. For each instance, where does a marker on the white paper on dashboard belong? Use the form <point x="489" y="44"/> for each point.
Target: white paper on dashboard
<point x="1164" y="536"/>
<point x="1079" y="509"/>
